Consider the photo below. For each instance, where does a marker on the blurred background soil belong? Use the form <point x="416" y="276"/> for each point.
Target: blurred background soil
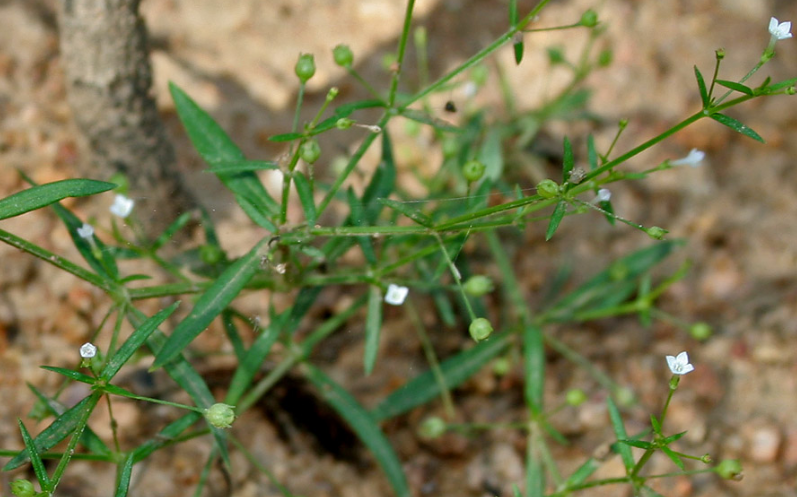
<point x="236" y="59"/>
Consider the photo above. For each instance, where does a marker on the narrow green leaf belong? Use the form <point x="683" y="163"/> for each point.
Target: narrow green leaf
<point x="357" y="218"/>
<point x="233" y="335"/>
<point x="253" y="360"/>
<point x="305" y="192"/>
<point x="534" y="367"/>
<point x="306" y="298"/>
<point x="737" y="126"/>
<point x="675" y="458"/>
<point x="134" y="341"/>
<point x="62" y="427"/>
<point x="285" y="137"/>
<point x="556" y="218"/>
<point x="583" y="472"/>
<point x="36" y="460"/>
<point x="373" y="327"/>
<point x="73" y="375"/>
<point x="637" y="443"/>
<point x="654" y="422"/>
<point x="408" y="211"/>
<point x="172" y="229"/>
<point x="612" y="285"/>
<point x="513" y="20"/>
<point x="592" y="153"/>
<point x="382" y="182"/>
<point x="364" y="425"/>
<point x="518" y="49"/>
<point x="123" y="477"/>
<point x="50" y="193"/>
<point x="454" y="370"/>
<point x="166" y="437"/>
<point x="673" y="438"/>
<point x="780" y="85"/>
<point x="607" y="206"/>
<point x="89" y="439"/>
<point x="568" y="161"/>
<point x="435" y="122"/>
<point x="240" y="166"/>
<point x="620" y="434"/>
<point x="212" y="302"/>
<point x="736" y="86"/>
<point x="535" y="476"/>
<point x="215" y="147"/>
<point x="701" y="86"/>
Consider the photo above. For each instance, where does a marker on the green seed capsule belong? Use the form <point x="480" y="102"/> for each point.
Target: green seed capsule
<point x="310" y="151"/>
<point x="548" y="188"/>
<point x="575" y="397"/>
<point x="220" y="415"/>
<point x="343" y="55"/>
<point x="473" y="170"/>
<point x="730" y="469"/>
<point x="656" y="233"/>
<point x="480" y="329"/>
<point x="589" y="19"/>
<point x="478" y="285"/>
<point x="22" y="488"/>
<point x="210" y="254"/>
<point x="305" y="67"/>
<point x="700" y="331"/>
<point x="432" y="427"/>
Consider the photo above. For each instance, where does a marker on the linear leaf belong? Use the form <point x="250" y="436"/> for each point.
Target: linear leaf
<point x="215" y="147"/>
<point x="239" y="166"/>
<point x="403" y="208"/>
<point x="305" y="192"/>
<point x="357" y="218"/>
<point x="733" y="85"/>
<point x="61" y="427"/>
<point x="382" y="181"/>
<point x="674" y="458"/>
<point x="620" y="434"/>
<point x="568" y="161"/>
<point x="373" y="327"/>
<point x="701" y="86"/>
<point x="534" y="367"/>
<point x="211" y="303"/>
<point x="134" y="341"/>
<point x="89" y="439"/>
<point x="35" y="459"/>
<point x="253" y="360"/>
<point x="737" y="126"/>
<point x="50" y="193"/>
<point x="556" y="218"/>
<point x="424" y="118"/>
<point x="455" y="371"/>
<point x="123" y="478"/>
<point x="364" y="425"/>
<point x="73" y="375"/>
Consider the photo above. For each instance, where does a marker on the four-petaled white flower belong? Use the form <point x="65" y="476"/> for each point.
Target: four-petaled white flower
<point x="88" y="350"/>
<point x="693" y="159"/>
<point x="122" y="206"/>
<point x="396" y="294"/>
<point x="86" y="231"/>
<point x="779" y="31"/>
<point x="680" y="364"/>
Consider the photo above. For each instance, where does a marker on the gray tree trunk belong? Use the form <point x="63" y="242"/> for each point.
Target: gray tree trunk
<point x="108" y="74"/>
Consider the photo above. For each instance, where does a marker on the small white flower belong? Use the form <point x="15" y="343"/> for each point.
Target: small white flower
<point x="88" y="350"/>
<point x="693" y="159"/>
<point x="680" y="364"/>
<point x="779" y="31"/>
<point x="396" y="294"/>
<point x="122" y="206"/>
<point x="603" y="195"/>
<point x="86" y="231"/>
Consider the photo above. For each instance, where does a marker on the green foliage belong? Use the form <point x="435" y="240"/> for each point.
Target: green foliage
<point x="434" y="245"/>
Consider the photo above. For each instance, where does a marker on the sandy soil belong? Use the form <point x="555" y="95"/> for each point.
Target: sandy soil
<point x="737" y="211"/>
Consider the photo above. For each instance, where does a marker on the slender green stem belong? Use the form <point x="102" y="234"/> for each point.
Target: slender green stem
<point x="431" y="358"/>
<point x="402" y="48"/>
<point x="478" y="57"/>
<point x="70" y="267"/>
